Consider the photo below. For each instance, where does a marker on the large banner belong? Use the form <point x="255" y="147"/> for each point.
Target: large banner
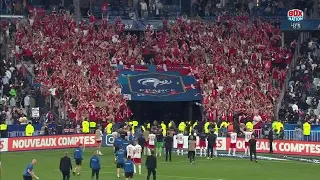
<point x="302" y="148"/>
<point x="183" y="70"/>
<point x="46" y="142"/>
<point x="165" y="86"/>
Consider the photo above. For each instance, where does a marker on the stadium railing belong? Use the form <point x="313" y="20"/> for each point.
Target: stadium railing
<point x="294" y="135"/>
<point x="21" y="134"/>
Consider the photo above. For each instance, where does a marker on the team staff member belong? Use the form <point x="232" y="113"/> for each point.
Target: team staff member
<point x="118" y="143"/>
<point x="28" y="173"/>
<point x="192" y="149"/>
<point x="65" y="166"/>
<point x="78" y="160"/>
<point x="253" y="149"/>
<point x="151" y="164"/>
<point x="212" y="138"/>
<point x="270" y="138"/>
<point x="128" y="168"/>
<point x="168" y="144"/>
<point x="120" y="160"/>
<point x="95" y="166"/>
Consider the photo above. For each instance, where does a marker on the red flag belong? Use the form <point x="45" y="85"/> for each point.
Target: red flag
<point x="104" y="7"/>
<point x="267" y="65"/>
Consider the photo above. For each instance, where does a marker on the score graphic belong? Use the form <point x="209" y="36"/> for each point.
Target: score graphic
<point x="296" y="25"/>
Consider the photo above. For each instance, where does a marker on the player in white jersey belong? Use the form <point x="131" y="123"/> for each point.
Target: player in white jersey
<point x="247" y="136"/>
<point x="152" y="141"/>
<point x="180" y="138"/>
<point x="137" y="156"/>
<point x="98" y="136"/>
<point x="130" y="150"/>
<point x="233" y="142"/>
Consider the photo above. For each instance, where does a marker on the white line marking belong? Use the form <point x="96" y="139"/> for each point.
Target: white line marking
<point x="167" y="176"/>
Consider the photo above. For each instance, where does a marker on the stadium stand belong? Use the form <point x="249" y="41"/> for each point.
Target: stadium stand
<point x="58" y="57"/>
<point x="78" y="65"/>
<point x="302" y="101"/>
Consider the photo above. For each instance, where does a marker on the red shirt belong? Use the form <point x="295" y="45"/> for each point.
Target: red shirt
<point x="92" y="115"/>
<point x="230" y="117"/>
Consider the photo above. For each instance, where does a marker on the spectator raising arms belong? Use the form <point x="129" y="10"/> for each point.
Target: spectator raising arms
<point x="239" y="66"/>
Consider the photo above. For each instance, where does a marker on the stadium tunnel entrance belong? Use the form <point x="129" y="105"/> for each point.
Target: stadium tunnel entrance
<point x="147" y="111"/>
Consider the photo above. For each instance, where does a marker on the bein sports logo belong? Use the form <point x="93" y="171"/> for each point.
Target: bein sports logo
<point x="154" y="81"/>
<point x="295" y="15"/>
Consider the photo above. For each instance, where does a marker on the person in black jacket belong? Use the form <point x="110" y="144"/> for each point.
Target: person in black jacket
<point x="151" y="164"/>
<point x="270" y="138"/>
<point x="212" y="138"/>
<point x="253" y="148"/>
<point x="65" y="166"/>
<point x="168" y="144"/>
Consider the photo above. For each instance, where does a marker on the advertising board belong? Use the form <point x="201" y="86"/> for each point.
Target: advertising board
<point x="46" y="142"/>
<point x="283" y="147"/>
<point x="3" y="144"/>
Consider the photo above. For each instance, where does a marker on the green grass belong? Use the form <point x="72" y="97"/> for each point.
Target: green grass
<point x="221" y="168"/>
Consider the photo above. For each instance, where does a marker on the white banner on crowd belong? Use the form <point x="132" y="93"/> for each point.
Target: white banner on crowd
<point x="35" y="112"/>
<point x="127" y="96"/>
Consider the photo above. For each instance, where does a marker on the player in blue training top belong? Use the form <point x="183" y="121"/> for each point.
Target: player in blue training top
<point x="28" y="172"/>
<point x="78" y="159"/>
<point x="120" y="154"/>
<point x="95" y="165"/>
<point x="128" y="168"/>
<point x="131" y="138"/>
<point x="118" y="143"/>
<point x="125" y="143"/>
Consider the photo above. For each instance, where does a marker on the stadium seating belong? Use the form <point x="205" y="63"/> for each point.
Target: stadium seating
<point x="76" y="64"/>
<point x="302" y="100"/>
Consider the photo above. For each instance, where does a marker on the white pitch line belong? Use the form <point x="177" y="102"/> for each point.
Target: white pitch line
<point x="167" y="176"/>
<point x="61" y="151"/>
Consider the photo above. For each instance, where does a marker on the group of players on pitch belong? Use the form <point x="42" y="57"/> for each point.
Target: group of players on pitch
<point x="129" y="148"/>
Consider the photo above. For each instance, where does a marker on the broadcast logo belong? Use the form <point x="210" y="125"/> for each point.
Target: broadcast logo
<point x="295" y="15"/>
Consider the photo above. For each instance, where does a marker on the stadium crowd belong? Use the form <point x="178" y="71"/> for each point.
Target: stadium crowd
<point x="240" y="66"/>
<point x="302" y="100"/>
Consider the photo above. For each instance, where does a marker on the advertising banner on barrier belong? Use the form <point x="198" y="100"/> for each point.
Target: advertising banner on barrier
<point x="284" y="147"/>
<point x="49" y="142"/>
<point x="3" y="144"/>
<point x="107" y="140"/>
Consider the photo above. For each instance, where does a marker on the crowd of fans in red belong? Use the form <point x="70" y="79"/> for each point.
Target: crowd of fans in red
<point x="239" y="66"/>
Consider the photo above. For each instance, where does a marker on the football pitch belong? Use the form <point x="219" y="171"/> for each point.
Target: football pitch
<point x="220" y="168"/>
